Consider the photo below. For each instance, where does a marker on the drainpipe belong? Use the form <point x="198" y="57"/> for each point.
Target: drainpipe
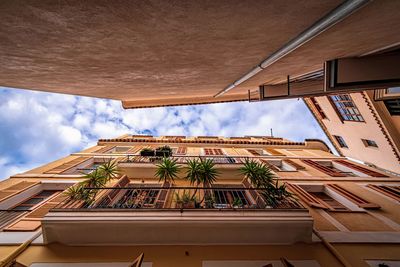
<point x="334" y="17"/>
<point x="332" y="250"/>
<point x="21" y="248"/>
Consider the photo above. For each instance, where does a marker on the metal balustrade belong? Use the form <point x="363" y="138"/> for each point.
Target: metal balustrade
<point x="145" y="197"/>
<point x="184" y="159"/>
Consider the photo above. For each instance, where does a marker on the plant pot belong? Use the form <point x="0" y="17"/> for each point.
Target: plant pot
<point x="188" y="205"/>
<point x="162" y="153"/>
<point x="147" y="153"/>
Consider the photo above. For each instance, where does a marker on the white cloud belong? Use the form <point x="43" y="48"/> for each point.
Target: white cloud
<point x="40" y="127"/>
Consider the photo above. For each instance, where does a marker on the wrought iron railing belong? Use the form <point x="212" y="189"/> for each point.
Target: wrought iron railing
<point x="147" y="197"/>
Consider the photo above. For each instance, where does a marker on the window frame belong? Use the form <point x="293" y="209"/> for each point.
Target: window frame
<point x="345" y="108"/>
<point x="340" y="140"/>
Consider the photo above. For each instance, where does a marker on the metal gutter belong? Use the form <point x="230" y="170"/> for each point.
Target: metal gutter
<point x="334" y="17"/>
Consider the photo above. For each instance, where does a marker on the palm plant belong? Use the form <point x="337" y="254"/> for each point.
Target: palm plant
<point x="110" y="170"/>
<point x="201" y="172"/>
<point x="167" y="170"/>
<point x="258" y="173"/>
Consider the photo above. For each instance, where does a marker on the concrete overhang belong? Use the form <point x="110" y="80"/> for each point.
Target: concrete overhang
<point x="175" y="227"/>
<point x="157" y="53"/>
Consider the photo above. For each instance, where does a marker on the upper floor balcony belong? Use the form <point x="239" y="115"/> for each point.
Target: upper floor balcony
<point x="149" y="214"/>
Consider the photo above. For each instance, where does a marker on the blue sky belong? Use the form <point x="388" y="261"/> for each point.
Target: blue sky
<point x="37" y="127"/>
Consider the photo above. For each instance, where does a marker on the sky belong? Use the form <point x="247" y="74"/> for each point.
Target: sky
<point x="38" y="127"/>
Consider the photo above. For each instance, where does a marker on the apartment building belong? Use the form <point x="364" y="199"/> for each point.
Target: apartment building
<point x="363" y="126"/>
<point x="163" y="53"/>
<point x="342" y="213"/>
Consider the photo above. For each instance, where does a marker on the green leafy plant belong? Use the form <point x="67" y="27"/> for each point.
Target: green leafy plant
<point x="201" y="172"/>
<point x="145" y="152"/>
<point x="262" y="178"/>
<point x="185" y="200"/>
<point x="167" y="170"/>
<point x="110" y="170"/>
<point x="164" y="151"/>
<point x="237" y="203"/>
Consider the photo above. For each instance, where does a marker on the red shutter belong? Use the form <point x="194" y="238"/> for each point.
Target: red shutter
<point x="67" y="165"/>
<point x="32" y="220"/>
<point x="362" y="203"/>
<point x="322" y="168"/>
<point x="15" y="189"/>
<point x="103" y="149"/>
<point x="218" y="151"/>
<point x="181" y="151"/>
<point x="294" y="164"/>
<point x="208" y="151"/>
<point x="359" y="168"/>
<point x="388" y="190"/>
<point x="254" y="152"/>
<point x="306" y="197"/>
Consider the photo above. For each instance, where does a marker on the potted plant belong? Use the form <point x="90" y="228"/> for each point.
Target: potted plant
<point x="164" y="151"/>
<point x="209" y="201"/>
<point x="167" y="170"/>
<point x="237" y="203"/>
<point x="185" y="200"/>
<point x="147" y="152"/>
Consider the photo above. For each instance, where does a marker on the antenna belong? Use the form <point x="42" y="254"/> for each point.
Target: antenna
<point x="272" y="135"/>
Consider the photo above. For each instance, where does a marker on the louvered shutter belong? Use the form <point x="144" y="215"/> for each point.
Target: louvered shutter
<point x="218" y="151"/>
<point x="181" y="150"/>
<point x="256" y="197"/>
<point x="15" y="189"/>
<point x="360" y="168"/>
<point x="271" y="166"/>
<point x="68" y="165"/>
<point x="274" y="152"/>
<point x="134" y="150"/>
<point x="323" y="168"/>
<point x="162" y="196"/>
<point x="107" y="196"/>
<point x="254" y="152"/>
<point x="388" y="190"/>
<point x="208" y="151"/>
<point x="32" y="220"/>
<point x="294" y="164"/>
<point x="362" y="203"/>
<point x="104" y="149"/>
<point x="306" y="197"/>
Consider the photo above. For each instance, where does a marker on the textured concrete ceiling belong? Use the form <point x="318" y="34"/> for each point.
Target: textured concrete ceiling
<point x="175" y="51"/>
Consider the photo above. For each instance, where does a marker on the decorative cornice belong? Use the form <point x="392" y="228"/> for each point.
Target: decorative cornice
<point x="380" y="124"/>
<point x="197" y="141"/>
<point x="323" y="127"/>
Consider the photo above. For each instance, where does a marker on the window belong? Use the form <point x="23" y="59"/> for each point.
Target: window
<point x="280" y="165"/>
<point x="330" y="168"/>
<point x="345" y="108"/>
<point x="212" y="151"/>
<point x="393" y="106"/>
<point x="179" y="150"/>
<point x="138" y="198"/>
<point x="340" y="141"/>
<point x="369" y="143"/>
<point x="224" y="198"/>
<point x="391" y="191"/>
<point x="318" y="107"/>
<point x="332" y="204"/>
<point x="33" y="201"/>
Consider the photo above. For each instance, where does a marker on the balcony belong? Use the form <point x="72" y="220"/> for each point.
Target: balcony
<point x="144" y="167"/>
<point x="146" y="214"/>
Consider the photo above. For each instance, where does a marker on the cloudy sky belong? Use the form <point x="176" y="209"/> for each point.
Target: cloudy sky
<point x="38" y="127"/>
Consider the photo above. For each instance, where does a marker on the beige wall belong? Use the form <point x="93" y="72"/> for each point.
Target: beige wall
<point x="353" y="132"/>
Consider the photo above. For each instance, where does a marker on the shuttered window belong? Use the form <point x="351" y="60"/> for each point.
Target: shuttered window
<point x="181" y="150"/>
<point x="318" y="108"/>
<point x="32" y="220"/>
<point x="294" y="164"/>
<point x="15" y="189"/>
<point x="330" y="202"/>
<point x="104" y="149"/>
<point x="274" y="152"/>
<point x="392" y="191"/>
<point x="213" y="151"/>
<point x="360" y="168"/>
<point x="362" y="203"/>
<point x="33" y="201"/>
<point x="254" y="152"/>
<point x="134" y="150"/>
<point x="308" y="198"/>
<point x="68" y="165"/>
<point x="325" y="169"/>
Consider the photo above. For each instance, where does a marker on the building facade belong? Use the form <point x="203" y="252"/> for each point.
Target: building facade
<point x="364" y="126"/>
<point x="343" y="213"/>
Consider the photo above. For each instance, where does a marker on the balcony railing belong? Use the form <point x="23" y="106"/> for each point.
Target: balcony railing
<point x="184" y="159"/>
<point x="147" y="197"/>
